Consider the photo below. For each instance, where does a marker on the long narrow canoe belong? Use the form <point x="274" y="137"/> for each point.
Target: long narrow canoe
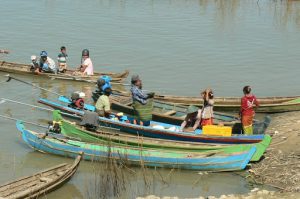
<point x="175" y="114"/>
<point x="40" y="183"/>
<point x="165" y="133"/>
<point x="68" y="75"/>
<point x="233" y="104"/>
<point x="136" y="157"/>
<point x="71" y="129"/>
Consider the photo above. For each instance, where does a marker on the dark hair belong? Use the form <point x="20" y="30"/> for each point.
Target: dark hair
<point x="211" y="95"/>
<point x="107" y="91"/>
<point x="247" y="90"/>
<point x="63" y="48"/>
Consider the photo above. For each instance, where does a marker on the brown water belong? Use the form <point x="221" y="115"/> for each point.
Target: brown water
<point x="178" y="47"/>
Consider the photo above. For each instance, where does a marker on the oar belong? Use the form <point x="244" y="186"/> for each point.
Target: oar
<point x="31" y="84"/>
<point x="27" y="122"/>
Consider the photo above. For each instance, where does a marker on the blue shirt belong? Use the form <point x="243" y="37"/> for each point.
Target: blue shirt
<point x="138" y="95"/>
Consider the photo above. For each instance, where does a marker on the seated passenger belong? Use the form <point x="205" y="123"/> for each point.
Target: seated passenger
<point x="86" y="67"/>
<point x="62" y="60"/>
<point x="47" y="64"/>
<point x="35" y="67"/>
<point x="103" y="103"/>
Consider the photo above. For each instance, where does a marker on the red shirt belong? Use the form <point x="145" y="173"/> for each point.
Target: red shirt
<point x="247" y="104"/>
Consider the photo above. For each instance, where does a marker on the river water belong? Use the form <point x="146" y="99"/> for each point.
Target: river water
<point x="177" y="47"/>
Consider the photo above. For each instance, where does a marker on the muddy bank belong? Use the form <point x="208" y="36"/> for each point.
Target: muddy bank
<point x="280" y="167"/>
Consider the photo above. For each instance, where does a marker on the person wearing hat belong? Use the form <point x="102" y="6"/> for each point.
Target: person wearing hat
<point x="47" y="64"/>
<point x="103" y="104"/>
<point x="35" y="67"/>
<point x="142" y="102"/>
<point x="86" y="67"/>
<point x="192" y="119"/>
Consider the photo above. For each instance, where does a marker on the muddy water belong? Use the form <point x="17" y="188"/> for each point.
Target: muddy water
<point x="178" y="47"/>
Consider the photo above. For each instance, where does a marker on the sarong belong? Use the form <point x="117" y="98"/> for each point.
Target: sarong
<point x="247" y="122"/>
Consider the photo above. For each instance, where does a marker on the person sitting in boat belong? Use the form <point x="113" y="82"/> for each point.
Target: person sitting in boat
<point x="247" y="113"/>
<point x="192" y="119"/>
<point x="102" y="83"/>
<point x="142" y="102"/>
<point x="77" y="100"/>
<point x="207" y="112"/>
<point x="103" y="103"/>
<point x="62" y="60"/>
<point x="86" y="67"/>
<point x="35" y="67"/>
<point x="47" y="64"/>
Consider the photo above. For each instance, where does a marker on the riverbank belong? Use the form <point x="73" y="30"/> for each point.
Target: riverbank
<point x="280" y="167"/>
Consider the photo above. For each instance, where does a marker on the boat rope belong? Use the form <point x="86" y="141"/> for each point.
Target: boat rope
<point x="3" y="100"/>
<point x="27" y="122"/>
<point x="31" y="84"/>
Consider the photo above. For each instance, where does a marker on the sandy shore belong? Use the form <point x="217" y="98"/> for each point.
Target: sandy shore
<point x="281" y="166"/>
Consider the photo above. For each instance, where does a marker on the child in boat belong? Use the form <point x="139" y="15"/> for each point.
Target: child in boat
<point x="103" y="103"/>
<point x="35" y="67"/>
<point x="207" y="112"/>
<point x="86" y="67"/>
<point x="62" y="60"/>
<point x="192" y="119"/>
<point x="247" y="113"/>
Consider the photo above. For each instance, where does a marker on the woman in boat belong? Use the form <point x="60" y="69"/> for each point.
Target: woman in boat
<point x="103" y="104"/>
<point x="192" y="119"/>
<point x="47" y="64"/>
<point x="142" y="102"/>
<point x="62" y="59"/>
<point x="86" y="67"/>
<point x="247" y="113"/>
<point x="207" y="112"/>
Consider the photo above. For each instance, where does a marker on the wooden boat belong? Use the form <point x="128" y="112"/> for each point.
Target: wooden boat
<point x="233" y="104"/>
<point x="175" y="114"/>
<point x="68" y="75"/>
<point x="71" y="129"/>
<point x="136" y="157"/>
<point x="40" y="183"/>
<point x="165" y="133"/>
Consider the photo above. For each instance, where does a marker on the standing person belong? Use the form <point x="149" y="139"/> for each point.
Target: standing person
<point x="103" y="103"/>
<point x="86" y="67"/>
<point x="247" y="113"/>
<point x="207" y="113"/>
<point x="142" y="103"/>
<point x="62" y="60"/>
<point x="47" y="64"/>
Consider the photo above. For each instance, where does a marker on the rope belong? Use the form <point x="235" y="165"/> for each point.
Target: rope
<point x="27" y="122"/>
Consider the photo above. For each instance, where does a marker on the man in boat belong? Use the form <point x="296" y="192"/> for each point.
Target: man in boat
<point x="4" y="51"/>
<point x="142" y="102"/>
<point x="247" y="113"/>
<point x="103" y="104"/>
<point x="86" y="67"/>
<point x="62" y="60"/>
<point x="47" y="64"/>
<point x="102" y="83"/>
